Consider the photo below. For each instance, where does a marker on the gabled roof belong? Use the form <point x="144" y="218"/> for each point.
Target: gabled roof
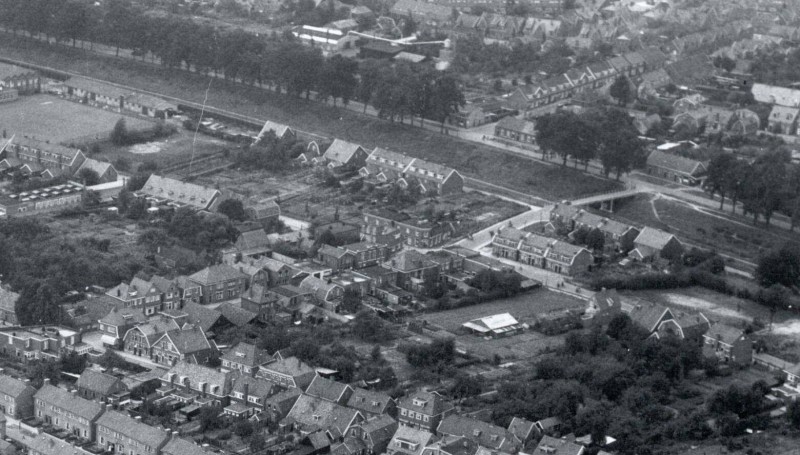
<point x="247" y="354"/>
<point x="180" y="446"/>
<point x="724" y="333"/>
<point x="101" y="167"/>
<point x="315" y="413"/>
<point x="188" y="340"/>
<point x="279" y="129"/>
<point x="552" y="446"/>
<point x="333" y="251"/>
<point x="190" y="194"/>
<point x="518" y="125"/>
<point x="427" y="403"/>
<point x="319" y="287"/>
<point x="258" y="387"/>
<point x="369" y="401"/>
<point x="607" y="299"/>
<point x="236" y="314"/>
<point x="648" y="315"/>
<point x="133" y="429"/>
<point x="252" y="240"/>
<point x="342" y="151"/>
<point x="416" y="439"/>
<point x="327" y="389"/>
<point x="490" y="323"/>
<point x="379" y="429"/>
<point x="771" y="94"/>
<point x="64" y="399"/>
<point x="197" y="374"/>
<point x="410" y="260"/>
<point x="216" y="274"/>
<point x="675" y="163"/>
<point x="521" y="428"/>
<point x="482" y="433"/>
<point x="67" y="154"/>
<point x="154" y="328"/>
<point x="653" y="238"/>
<point x="13" y="387"/>
<point x="97" y="381"/>
<point x="290" y="366"/>
<point x="202" y="316"/>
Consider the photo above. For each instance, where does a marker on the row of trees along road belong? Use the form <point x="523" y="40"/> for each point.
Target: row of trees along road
<point x="277" y="61"/>
<point x="606" y="134"/>
<point x="768" y="184"/>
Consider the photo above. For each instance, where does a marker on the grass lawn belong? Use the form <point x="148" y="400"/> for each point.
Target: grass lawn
<point x="524" y="307"/>
<point x="47" y="117"/>
<point x="551" y="182"/>
<point x="703" y="228"/>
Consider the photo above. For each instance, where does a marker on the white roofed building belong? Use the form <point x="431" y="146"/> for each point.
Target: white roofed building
<point x="495" y="326"/>
<point x="329" y="40"/>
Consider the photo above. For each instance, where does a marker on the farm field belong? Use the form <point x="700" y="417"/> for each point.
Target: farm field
<point x="48" y="117"/>
<point x="524" y="307"/>
<point x="549" y="181"/>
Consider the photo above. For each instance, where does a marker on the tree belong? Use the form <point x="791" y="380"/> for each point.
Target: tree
<point x="447" y="98"/>
<point x="369" y="327"/>
<point x="793" y="413"/>
<point x="725" y="63"/>
<point x="595" y="239"/>
<point x="466" y="386"/>
<point x="719" y="171"/>
<point x="119" y="135"/>
<point x="233" y="209"/>
<point x="88" y="177"/>
<point x="621" y="90"/>
<point x="617" y="140"/>
<point x="780" y="267"/>
<point x="210" y="418"/>
<point x="351" y="301"/>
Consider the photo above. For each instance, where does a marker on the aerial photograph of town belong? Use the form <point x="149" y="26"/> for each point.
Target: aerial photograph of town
<point x="399" y="227"/>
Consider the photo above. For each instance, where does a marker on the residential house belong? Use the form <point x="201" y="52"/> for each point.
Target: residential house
<point x="728" y="344"/>
<point x="281" y="131"/>
<point x="108" y="96"/>
<point x="366" y="254"/>
<point x="413" y="269"/>
<point x="675" y="168"/>
<point x="165" y="190"/>
<point x="253" y="274"/>
<point x="196" y="383"/>
<point x="66" y="410"/>
<point x="652" y="81"/>
<point x="324" y="290"/>
<point x="248" y="396"/>
<point x="618" y="236"/>
<point x="261" y="302"/>
<point x="245" y="358"/>
<point x="548" y="426"/>
<point x="210" y="320"/>
<point x="139" y="294"/>
<point x="380" y="225"/>
<point x="783" y="120"/>
<point x="342" y="153"/>
<point x="170" y="292"/>
<point x="543" y="252"/>
<point x="329" y="390"/>
<point x="506" y="243"/>
<point x="121" y="434"/>
<point x="180" y="446"/>
<point x="140" y="339"/>
<point x="335" y="257"/>
<point x="47" y="159"/>
<point x="744" y="122"/>
<point x="253" y="243"/>
<point x="117" y="322"/>
<point x="653" y="243"/>
<point x="423" y="410"/>
<point x="602" y="307"/>
<point x="220" y="283"/>
<point x="371" y="402"/>
<point x="290" y="372"/>
<point x="517" y="130"/>
<point x="482" y="433"/>
<point x="105" y="171"/>
<point x="23" y="80"/>
<point x="387" y="166"/>
<point x="278" y="273"/>
<point x="410" y="441"/>
<point x="549" y="445"/>
<point x="478" y="111"/>
<point x="660" y="321"/>
<point x="8" y="305"/>
<point x="17" y="397"/>
<point x="277" y="407"/>
<point x="310" y="414"/>
<point x="263" y="211"/>
<point x="188" y="344"/>
<point x="375" y="433"/>
<point x="99" y="386"/>
<point x="41" y="342"/>
<point x="524" y="430"/>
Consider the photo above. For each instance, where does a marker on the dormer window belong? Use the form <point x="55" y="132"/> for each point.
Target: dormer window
<point x="476" y="433"/>
<point x="316" y="417"/>
<point x="419" y="402"/>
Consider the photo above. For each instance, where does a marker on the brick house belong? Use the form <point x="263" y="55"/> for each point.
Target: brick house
<point x="728" y="344"/>
<point x="323" y="289"/>
<point x="310" y="414"/>
<point x="196" y="383"/>
<point x="481" y="433"/>
<point x="290" y="373"/>
<point x="41" y="342"/>
<point x="413" y="269"/>
<point x="416" y="233"/>
<point x="140" y="339"/>
<point x="602" y="307"/>
<point x="375" y="433"/>
<point x="117" y="322"/>
<point x="43" y="158"/>
<point x="675" y="168"/>
<point x="121" y="434"/>
<point x="409" y="441"/>
<point x="371" y="402"/>
<point x="16" y="396"/>
<point x="542" y="252"/>
<point x="567" y="259"/>
<point x="335" y="257"/>
<point x="245" y="358"/>
<point x="137" y="294"/>
<point x="219" y="283"/>
<point x="423" y="410"/>
<point x="66" y="410"/>
<point x="98" y="386"/>
<point x="188" y="344"/>
<point x="387" y="166"/>
<point x="329" y="390"/>
<point x="278" y="273"/>
<point x="661" y="321"/>
<point x="249" y="396"/>
<point x="516" y="130"/>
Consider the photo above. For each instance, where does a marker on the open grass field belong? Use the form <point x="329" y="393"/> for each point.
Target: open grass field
<point x="47" y="117"/>
<point x="717" y="307"/>
<point x="703" y="227"/>
<point x="525" y="307"/>
<point x="551" y="182"/>
<point x="523" y="346"/>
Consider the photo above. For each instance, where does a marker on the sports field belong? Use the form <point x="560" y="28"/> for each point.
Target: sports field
<point x="47" y="117"/>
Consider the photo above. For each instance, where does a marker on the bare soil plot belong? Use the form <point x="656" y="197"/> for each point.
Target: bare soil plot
<point x="524" y="307"/>
<point x="48" y="117"/>
<point x="525" y="345"/>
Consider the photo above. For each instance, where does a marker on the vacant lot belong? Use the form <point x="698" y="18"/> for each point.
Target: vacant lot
<point x="50" y="118"/>
<point x="525" y="308"/>
<point x="551" y="182"/>
<point x="526" y="345"/>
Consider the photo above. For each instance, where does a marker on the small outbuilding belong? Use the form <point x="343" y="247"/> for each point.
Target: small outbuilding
<point x="498" y="325"/>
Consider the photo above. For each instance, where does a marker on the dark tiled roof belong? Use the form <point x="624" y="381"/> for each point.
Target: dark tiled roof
<point x="123" y="316"/>
<point x="553" y="446"/>
<point x="674" y="162"/>
<point x="202" y="316"/>
<point x="326" y="389"/>
<point x="64" y="399"/>
<point x="427" y="403"/>
<point x="482" y="433"/>
<point x="247" y="354"/>
<point x="316" y="413"/>
<point x="236" y="314"/>
<point x="133" y="429"/>
<point x="216" y="274"/>
<point x="189" y="340"/>
<point x="180" y="446"/>
<point x="12" y="387"/>
<point x="96" y="381"/>
<point x="290" y="366"/>
<point x="369" y="401"/>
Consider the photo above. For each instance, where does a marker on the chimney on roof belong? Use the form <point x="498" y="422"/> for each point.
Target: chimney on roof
<point x="246" y="391"/>
<point x="174" y="435"/>
<point x="74" y="391"/>
<point x="46" y="381"/>
<point x="138" y="417"/>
